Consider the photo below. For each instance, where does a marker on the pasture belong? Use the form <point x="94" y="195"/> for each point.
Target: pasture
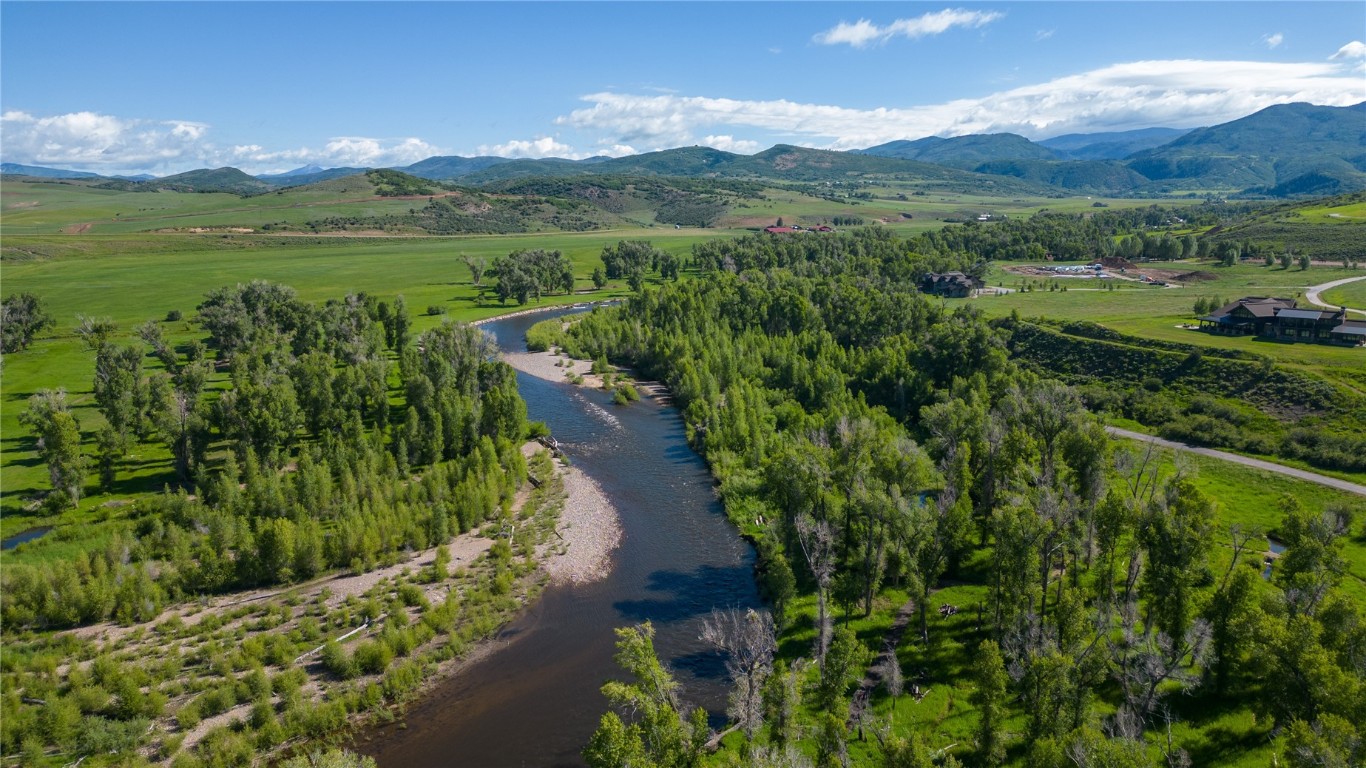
<point x="1160" y="313"/>
<point x="132" y="279"/>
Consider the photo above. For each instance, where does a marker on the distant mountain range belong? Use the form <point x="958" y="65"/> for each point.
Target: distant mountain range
<point x="1281" y="151"/>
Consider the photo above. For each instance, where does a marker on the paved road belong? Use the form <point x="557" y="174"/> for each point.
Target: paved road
<point x="1311" y="295"/>
<point x="1280" y="469"/>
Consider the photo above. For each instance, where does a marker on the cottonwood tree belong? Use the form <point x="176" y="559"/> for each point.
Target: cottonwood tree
<point x="1312" y="562"/>
<point x="476" y="267"/>
<point x="22" y="317"/>
<point x="989" y="696"/>
<point x="659" y="735"/>
<point x="782" y="703"/>
<point x="817" y="543"/>
<point x="1176" y="534"/>
<point x="59" y="443"/>
<point x="748" y="641"/>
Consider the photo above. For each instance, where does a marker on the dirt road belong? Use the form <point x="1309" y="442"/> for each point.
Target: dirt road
<point x="1299" y="474"/>
<point x="1311" y="295"/>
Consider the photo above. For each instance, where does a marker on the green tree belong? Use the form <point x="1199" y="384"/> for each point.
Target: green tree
<point x="659" y="736"/>
<point x="1329" y="742"/>
<point x="22" y="317"/>
<point x="1312" y="562"/>
<point x="844" y="665"/>
<point x="990" y="699"/>
<point x="1176" y="534"/>
<point x="59" y="442"/>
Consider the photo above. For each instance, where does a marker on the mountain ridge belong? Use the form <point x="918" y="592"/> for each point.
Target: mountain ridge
<point x="1281" y="151"/>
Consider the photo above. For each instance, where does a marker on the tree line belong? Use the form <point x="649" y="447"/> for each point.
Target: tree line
<point x="298" y="465"/>
<point x="866" y="438"/>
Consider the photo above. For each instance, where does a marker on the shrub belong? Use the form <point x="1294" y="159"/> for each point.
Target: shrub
<point x="372" y="657"/>
<point x="173" y="316"/>
<point x="337" y="661"/>
<point x="436" y="309"/>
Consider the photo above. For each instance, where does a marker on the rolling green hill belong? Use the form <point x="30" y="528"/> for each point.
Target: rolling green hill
<point x="40" y="172"/>
<point x="225" y="179"/>
<point x="1115" y="145"/>
<point x="1098" y="176"/>
<point x="1284" y="149"/>
<point x="965" y="152"/>
<point x="1327" y="228"/>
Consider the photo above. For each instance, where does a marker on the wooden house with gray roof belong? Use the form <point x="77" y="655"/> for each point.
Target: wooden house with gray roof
<point x="1282" y="319"/>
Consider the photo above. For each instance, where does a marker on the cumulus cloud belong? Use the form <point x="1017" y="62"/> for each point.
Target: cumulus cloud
<point x="93" y="140"/>
<point x="863" y="32"/>
<point x="109" y="144"/>
<point x="1179" y="93"/>
<point x="545" y="146"/>
<point x="1273" y="40"/>
<point x="1353" y="50"/>
<point x="727" y="143"/>
<point x="615" y="150"/>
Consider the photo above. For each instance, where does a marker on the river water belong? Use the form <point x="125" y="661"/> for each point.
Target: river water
<point x="535" y="701"/>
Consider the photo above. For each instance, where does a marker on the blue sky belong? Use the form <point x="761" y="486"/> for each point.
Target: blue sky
<point x="126" y="87"/>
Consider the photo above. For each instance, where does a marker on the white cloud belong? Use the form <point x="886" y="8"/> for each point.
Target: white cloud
<point x="109" y="144"/>
<point x="544" y="146"/>
<point x="727" y="143"/>
<point x="89" y="139"/>
<point x="1180" y="93"/>
<point x="1274" y="40"/>
<point x="1353" y="50"/>
<point x="615" y="150"/>
<point x="863" y="33"/>
<point x="363" y="151"/>
<point x="1043" y="34"/>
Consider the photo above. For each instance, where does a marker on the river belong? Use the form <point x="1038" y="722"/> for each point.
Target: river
<point x="535" y="701"/>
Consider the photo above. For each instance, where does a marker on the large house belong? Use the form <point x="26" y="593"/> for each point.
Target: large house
<point x="952" y="284"/>
<point x="1280" y="318"/>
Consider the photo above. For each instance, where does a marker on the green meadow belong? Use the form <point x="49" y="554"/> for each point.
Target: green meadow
<point x="905" y="208"/>
<point x="45" y="208"/>
<point x="132" y="279"/>
<point x="1163" y="313"/>
<point x="1350" y="295"/>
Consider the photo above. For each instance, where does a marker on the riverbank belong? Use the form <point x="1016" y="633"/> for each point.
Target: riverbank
<point x="590" y="526"/>
<point x="589" y="530"/>
<point x="249" y="668"/>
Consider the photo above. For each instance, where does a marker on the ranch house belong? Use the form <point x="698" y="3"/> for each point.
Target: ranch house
<point x="951" y="284"/>
<point x="1280" y="318"/>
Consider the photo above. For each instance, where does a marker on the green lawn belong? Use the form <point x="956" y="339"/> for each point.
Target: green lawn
<point x="1350" y="295"/>
<point x="51" y="208"/>
<point x="1162" y="313"/>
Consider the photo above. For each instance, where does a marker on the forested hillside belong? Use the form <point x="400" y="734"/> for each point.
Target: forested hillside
<point x="1067" y="602"/>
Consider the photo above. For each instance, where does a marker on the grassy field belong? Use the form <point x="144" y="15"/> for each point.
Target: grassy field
<point x="115" y="277"/>
<point x="52" y="208"/>
<point x="906" y="212"/>
<point x="1351" y="295"/>
<point x="1161" y="313"/>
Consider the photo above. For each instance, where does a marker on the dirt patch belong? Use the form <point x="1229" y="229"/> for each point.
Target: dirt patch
<point x="1198" y="276"/>
<point x="77" y="229"/>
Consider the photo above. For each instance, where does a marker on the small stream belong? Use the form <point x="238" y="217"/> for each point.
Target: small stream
<point x="23" y="536"/>
<point x="535" y="701"/>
